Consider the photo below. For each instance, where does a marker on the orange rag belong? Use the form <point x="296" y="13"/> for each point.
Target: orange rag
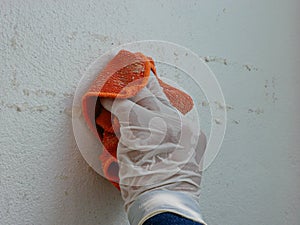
<point x="123" y="77"/>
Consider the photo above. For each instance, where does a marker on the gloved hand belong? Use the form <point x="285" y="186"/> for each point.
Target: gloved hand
<point x="159" y="155"/>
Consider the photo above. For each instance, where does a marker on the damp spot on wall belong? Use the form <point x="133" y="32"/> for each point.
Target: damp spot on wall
<point x="274" y="98"/>
<point x="39" y="92"/>
<point x="26" y="92"/>
<point x="218" y="121"/>
<point x="257" y="111"/>
<point x="68" y="95"/>
<point x="226" y="62"/>
<point x="13" y="43"/>
<point x="14" y="82"/>
<point x="222" y="106"/>
<point x="209" y="59"/>
<point x="22" y="107"/>
<point x="221" y="13"/>
<point x="266" y="85"/>
<point x="229" y="107"/>
<point x="205" y="103"/>
<point x="274" y="82"/>
<point x="14" y="39"/>
<point x="270" y="90"/>
<point x="250" y="68"/>
<point x="39" y="108"/>
<point x="235" y="121"/>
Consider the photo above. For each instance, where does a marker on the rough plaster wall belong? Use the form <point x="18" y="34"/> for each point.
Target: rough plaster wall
<point x="252" y="46"/>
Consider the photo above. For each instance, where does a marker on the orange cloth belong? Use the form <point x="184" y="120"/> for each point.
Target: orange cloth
<point x="123" y="77"/>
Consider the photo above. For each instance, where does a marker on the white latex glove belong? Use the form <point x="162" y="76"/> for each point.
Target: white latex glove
<point x="159" y="155"/>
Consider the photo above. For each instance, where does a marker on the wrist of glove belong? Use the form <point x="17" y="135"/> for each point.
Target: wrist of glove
<point x="162" y="200"/>
<point x="159" y="155"/>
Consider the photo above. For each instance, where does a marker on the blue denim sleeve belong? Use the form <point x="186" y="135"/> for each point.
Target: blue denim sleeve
<point x="168" y="218"/>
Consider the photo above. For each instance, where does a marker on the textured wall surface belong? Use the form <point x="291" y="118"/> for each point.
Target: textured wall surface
<point x="45" y="47"/>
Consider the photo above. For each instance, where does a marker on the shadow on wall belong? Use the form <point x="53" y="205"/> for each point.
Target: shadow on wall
<point x="80" y="195"/>
<point x="87" y="198"/>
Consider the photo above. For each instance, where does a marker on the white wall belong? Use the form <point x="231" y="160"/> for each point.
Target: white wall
<point x="46" y="46"/>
